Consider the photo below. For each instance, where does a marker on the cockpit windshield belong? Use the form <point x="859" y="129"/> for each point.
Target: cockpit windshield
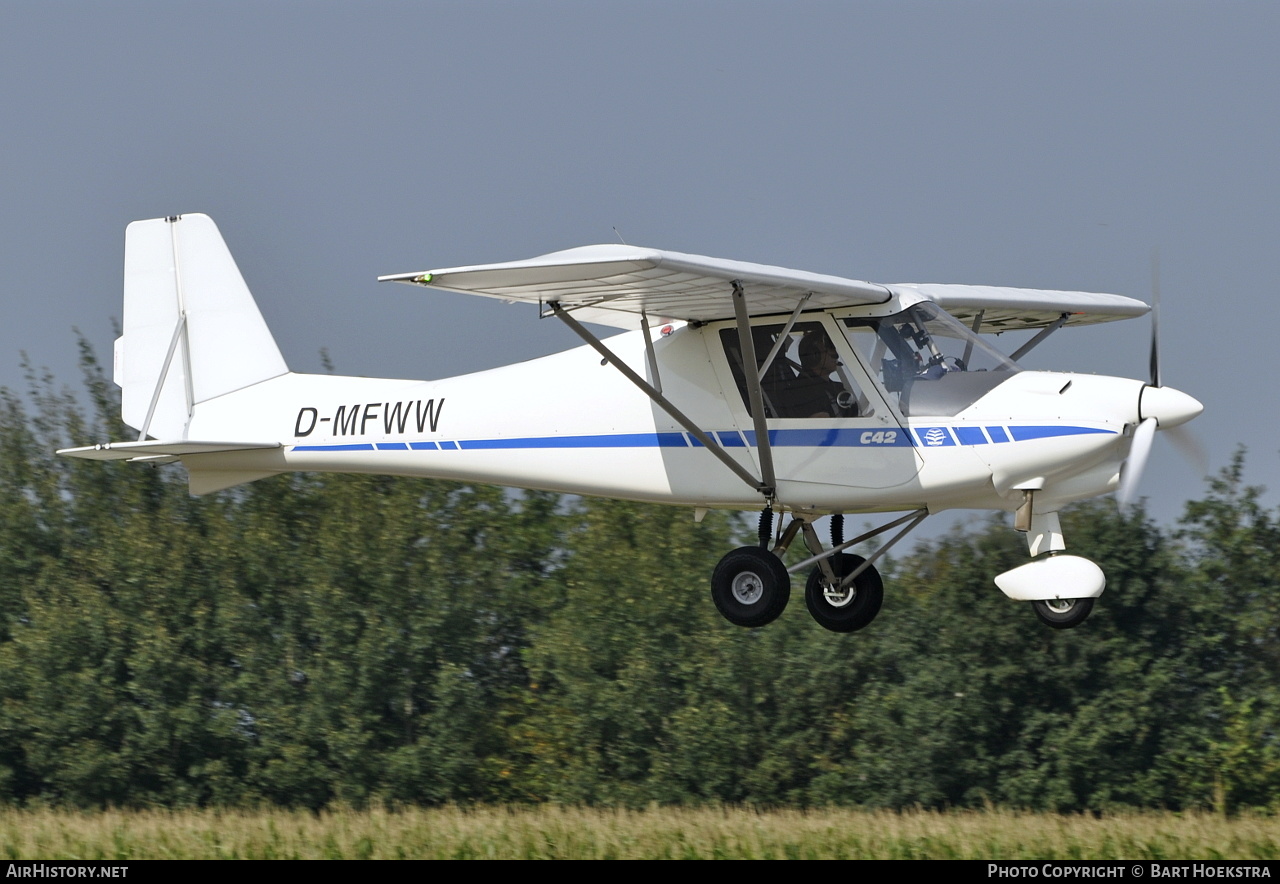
<point x="928" y="360"/>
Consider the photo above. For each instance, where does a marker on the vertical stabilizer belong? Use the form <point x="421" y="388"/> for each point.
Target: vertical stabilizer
<point x="192" y="331"/>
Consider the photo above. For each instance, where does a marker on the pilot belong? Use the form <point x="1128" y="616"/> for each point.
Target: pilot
<point x="814" y="393"/>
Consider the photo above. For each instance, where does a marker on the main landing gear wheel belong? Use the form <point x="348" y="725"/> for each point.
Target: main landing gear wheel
<point x="1063" y="613"/>
<point x="848" y="609"/>
<point x="750" y="586"/>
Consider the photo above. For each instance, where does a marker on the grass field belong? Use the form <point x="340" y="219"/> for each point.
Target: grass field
<point x="574" y="833"/>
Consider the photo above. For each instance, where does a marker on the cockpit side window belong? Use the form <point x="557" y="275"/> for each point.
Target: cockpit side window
<point x="801" y="375"/>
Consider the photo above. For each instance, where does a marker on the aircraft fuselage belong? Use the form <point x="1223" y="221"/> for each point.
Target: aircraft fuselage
<point x="568" y="423"/>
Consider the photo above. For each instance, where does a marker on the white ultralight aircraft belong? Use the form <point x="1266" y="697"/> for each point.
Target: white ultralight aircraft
<point x="737" y="386"/>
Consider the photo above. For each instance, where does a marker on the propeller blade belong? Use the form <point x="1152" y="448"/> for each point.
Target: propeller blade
<point x="1131" y="473"/>
<point x="1155" y="318"/>
<point x="1190" y="447"/>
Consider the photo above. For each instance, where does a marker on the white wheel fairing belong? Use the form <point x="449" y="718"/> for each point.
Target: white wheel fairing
<point x="1053" y="577"/>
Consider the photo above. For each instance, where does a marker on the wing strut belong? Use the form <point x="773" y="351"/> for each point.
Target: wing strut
<point x="968" y="345"/>
<point x="661" y="401"/>
<point x="1044" y="333"/>
<point x="747" y="342"/>
<point x="648" y="352"/>
<point x="782" y="337"/>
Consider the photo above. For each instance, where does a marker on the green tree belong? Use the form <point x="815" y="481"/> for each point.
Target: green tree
<point x="613" y="663"/>
<point x="1233" y="550"/>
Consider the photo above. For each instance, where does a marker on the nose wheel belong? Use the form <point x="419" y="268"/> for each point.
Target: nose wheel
<point x="1063" y="613"/>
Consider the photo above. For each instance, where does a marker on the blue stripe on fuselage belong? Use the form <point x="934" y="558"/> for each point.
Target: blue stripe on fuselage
<point x="816" y="437"/>
<point x="1024" y="434"/>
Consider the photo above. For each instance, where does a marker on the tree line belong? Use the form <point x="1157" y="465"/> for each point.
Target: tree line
<point x="320" y="640"/>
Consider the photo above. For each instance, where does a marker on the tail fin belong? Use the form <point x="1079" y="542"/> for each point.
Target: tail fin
<point x="192" y="331"/>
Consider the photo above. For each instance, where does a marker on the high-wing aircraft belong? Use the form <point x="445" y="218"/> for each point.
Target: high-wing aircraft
<point x="735" y="385"/>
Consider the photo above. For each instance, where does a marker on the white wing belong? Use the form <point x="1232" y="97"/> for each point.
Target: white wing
<point x="1010" y="308"/>
<point x="613" y="284"/>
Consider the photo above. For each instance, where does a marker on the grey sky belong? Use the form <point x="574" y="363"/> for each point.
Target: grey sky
<point x="1044" y="145"/>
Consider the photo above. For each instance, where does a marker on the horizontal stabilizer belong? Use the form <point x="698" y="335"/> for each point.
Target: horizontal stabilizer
<point x="150" y="450"/>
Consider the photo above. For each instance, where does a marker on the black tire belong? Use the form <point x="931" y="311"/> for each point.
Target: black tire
<point x="848" y="611"/>
<point x="1063" y="613"/>
<point x="750" y="587"/>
